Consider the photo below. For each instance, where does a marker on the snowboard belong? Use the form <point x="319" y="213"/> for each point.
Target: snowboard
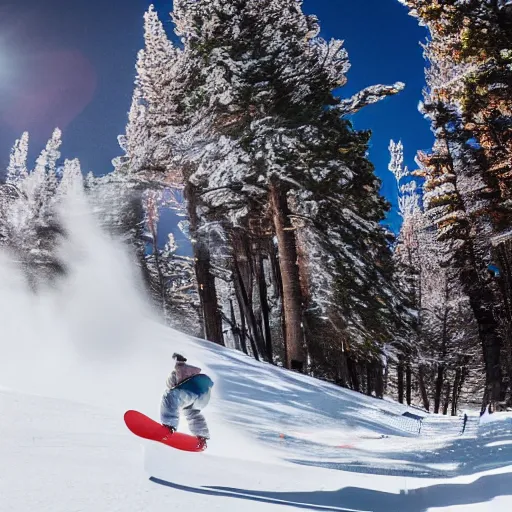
<point x="143" y="426"/>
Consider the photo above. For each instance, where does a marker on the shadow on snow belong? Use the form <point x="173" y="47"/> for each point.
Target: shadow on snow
<point x="267" y="401"/>
<point x="350" y="499"/>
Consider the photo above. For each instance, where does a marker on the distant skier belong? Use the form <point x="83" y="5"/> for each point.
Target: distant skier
<point x="188" y="391"/>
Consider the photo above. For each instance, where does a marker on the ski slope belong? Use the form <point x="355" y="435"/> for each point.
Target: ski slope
<point x="278" y="440"/>
<point x="75" y="356"/>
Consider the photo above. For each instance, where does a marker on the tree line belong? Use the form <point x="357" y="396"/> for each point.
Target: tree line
<point x="239" y="125"/>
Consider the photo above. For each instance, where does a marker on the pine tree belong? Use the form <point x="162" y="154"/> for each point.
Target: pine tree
<point x="176" y="286"/>
<point x="156" y="109"/>
<point x="72" y="180"/>
<point x="29" y="222"/>
<point x="443" y="357"/>
<point x="263" y="96"/>
<point x="133" y="142"/>
<point x="409" y="273"/>
<point x="17" y="169"/>
<point x="44" y="177"/>
<point x="148" y="168"/>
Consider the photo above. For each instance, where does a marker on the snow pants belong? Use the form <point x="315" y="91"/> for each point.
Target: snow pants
<point x="189" y="397"/>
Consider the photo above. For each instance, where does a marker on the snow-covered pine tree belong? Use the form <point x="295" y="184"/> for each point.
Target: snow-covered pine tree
<point x="134" y="141"/>
<point x="29" y="225"/>
<point x="442" y="354"/>
<point x="449" y="345"/>
<point x="156" y="105"/>
<point x="47" y="161"/>
<point x="150" y="167"/>
<point x="408" y="273"/>
<point x="468" y="173"/>
<point x="152" y="206"/>
<point x="176" y="276"/>
<point x="147" y="118"/>
<point x="181" y="288"/>
<point x="17" y="170"/>
<point x="72" y="180"/>
<point x="352" y="305"/>
<point x="264" y="95"/>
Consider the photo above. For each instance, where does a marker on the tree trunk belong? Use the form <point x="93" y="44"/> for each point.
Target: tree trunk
<point x="212" y="319"/>
<point x="455" y="394"/>
<point x="265" y="310"/>
<point x="423" y="389"/>
<point x="462" y="381"/>
<point x="245" y="335"/>
<point x="400" y="377"/>
<point x="408" y="384"/>
<point x="292" y="300"/>
<point x="444" y="351"/>
<point x="361" y="371"/>
<point x="342" y="370"/>
<point x="446" y="402"/>
<point x="243" y="276"/>
<point x="208" y="295"/>
<point x="484" y="305"/>
<point x="369" y="378"/>
<point x="482" y="298"/>
<point x="158" y="265"/>
<point x="354" y="377"/>
<point x="243" y="330"/>
<point x="243" y="302"/>
<point x="439" y="388"/>
<point x="379" y="381"/>
<point x="133" y="228"/>
<point x="234" y="326"/>
<point x="491" y="346"/>
<point x="503" y="252"/>
<point x="276" y="271"/>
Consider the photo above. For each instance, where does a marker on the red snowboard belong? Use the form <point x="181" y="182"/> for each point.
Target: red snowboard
<point x="146" y="428"/>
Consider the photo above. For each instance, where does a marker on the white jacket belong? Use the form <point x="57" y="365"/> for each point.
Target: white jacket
<point x="182" y="371"/>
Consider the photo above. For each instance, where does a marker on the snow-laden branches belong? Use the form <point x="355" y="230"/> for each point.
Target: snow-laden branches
<point x="368" y="96"/>
<point x="30" y="202"/>
<point x="408" y="197"/>
<point x="17" y="169"/>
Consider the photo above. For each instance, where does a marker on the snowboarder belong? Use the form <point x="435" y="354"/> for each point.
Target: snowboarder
<point x="188" y="391"/>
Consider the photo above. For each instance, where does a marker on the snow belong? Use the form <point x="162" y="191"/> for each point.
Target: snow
<point x="498" y="443"/>
<point x="77" y="355"/>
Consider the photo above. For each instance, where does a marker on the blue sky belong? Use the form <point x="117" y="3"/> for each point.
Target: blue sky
<point x="72" y="64"/>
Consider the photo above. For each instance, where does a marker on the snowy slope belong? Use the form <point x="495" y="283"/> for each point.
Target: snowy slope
<point x="74" y="357"/>
<point x="60" y="455"/>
